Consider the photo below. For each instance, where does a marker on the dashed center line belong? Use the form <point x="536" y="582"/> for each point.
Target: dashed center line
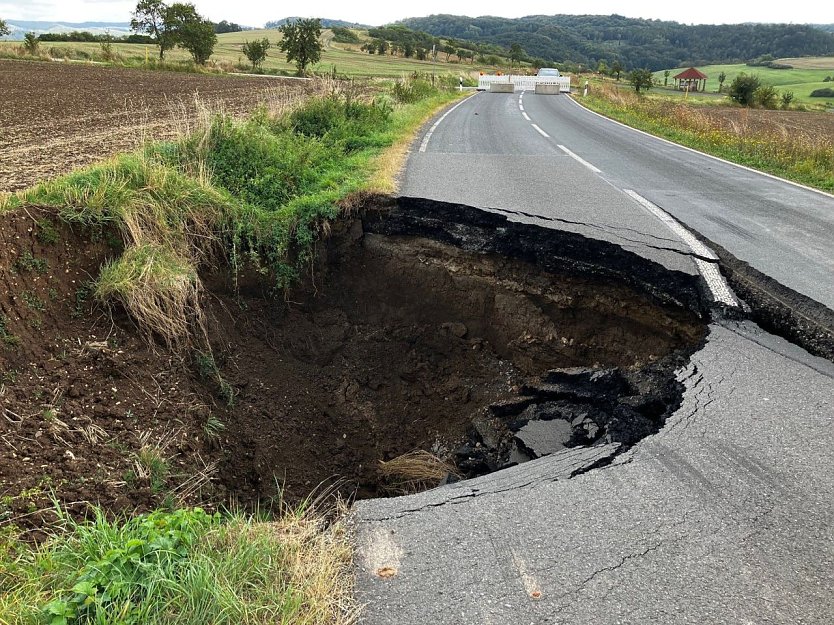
<point x="579" y="159"/>
<point x="526" y="116"/>
<point x="540" y="131"/>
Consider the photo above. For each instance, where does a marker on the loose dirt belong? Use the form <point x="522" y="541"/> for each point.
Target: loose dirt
<point x="56" y="117"/>
<point x="394" y="343"/>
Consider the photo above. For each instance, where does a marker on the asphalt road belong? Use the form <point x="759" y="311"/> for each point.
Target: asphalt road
<point x="489" y="153"/>
<point x="726" y="516"/>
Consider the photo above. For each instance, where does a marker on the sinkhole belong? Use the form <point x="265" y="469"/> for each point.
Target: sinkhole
<point x="433" y="343"/>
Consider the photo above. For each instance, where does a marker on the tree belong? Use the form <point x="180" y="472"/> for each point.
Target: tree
<point x="149" y="17"/>
<point x="766" y="96"/>
<point x="666" y="77"/>
<point x="302" y="43"/>
<point x="602" y="67"/>
<point x="4" y="29"/>
<point x="721" y="78"/>
<point x="448" y="51"/>
<point x="408" y="49"/>
<point x="190" y="31"/>
<point x="381" y="47"/>
<point x="30" y="43"/>
<point x="516" y="53"/>
<point x="640" y="79"/>
<point x="787" y="98"/>
<point x="256" y="51"/>
<point x="743" y="87"/>
<point x="616" y="69"/>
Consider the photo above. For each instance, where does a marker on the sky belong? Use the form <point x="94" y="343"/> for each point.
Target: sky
<point x="257" y="12"/>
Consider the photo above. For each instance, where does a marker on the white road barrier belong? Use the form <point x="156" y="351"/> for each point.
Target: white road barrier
<point x="525" y="83"/>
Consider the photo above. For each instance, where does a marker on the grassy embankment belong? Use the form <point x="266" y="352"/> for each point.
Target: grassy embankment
<point x="798" y="157"/>
<point x="345" y="59"/>
<point x="801" y="79"/>
<point x="254" y="194"/>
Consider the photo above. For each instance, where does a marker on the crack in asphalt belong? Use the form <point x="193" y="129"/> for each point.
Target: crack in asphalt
<point x="623" y="561"/>
<point x="572" y="470"/>
<point x="610" y="229"/>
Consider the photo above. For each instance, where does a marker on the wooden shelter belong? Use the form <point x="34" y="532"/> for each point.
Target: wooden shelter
<point x="691" y="80"/>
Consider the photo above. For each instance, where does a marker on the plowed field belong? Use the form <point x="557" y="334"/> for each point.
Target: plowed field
<point x="55" y="117"/>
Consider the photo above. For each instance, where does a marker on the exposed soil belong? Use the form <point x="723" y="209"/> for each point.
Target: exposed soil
<point x="56" y="117"/>
<point x="399" y="340"/>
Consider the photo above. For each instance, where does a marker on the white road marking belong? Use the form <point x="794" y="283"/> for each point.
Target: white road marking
<point x="425" y="142"/>
<point x="526" y="116"/>
<point x="709" y="268"/>
<point x="579" y="159"/>
<point x="540" y="131"/>
<point x="520" y="107"/>
<point x="715" y="158"/>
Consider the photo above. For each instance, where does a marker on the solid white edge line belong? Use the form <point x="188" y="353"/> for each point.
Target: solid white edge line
<point x="579" y="159"/>
<point x="526" y="116"/>
<point x="540" y="131"/>
<point x="708" y="268"/>
<point x="715" y="158"/>
<point x="425" y="142"/>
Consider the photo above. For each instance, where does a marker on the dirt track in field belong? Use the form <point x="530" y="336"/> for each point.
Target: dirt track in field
<point x="55" y="117"/>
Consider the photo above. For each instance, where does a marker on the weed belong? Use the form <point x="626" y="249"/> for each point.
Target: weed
<point x="82" y="296"/>
<point x="208" y="370"/>
<point x="32" y="301"/>
<point x="46" y="232"/>
<point x="150" y="463"/>
<point x="27" y="262"/>
<point x="182" y="566"/>
<point x="213" y="427"/>
<point x="8" y="339"/>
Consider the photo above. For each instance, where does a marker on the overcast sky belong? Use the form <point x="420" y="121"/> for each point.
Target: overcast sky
<point x="257" y="12"/>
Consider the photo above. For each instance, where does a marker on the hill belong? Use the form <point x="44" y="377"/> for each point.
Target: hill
<point x="325" y="23"/>
<point x="20" y="27"/>
<point x="588" y="39"/>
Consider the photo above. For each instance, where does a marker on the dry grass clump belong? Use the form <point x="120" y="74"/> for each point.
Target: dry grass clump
<point x="788" y="144"/>
<point x="415" y="471"/>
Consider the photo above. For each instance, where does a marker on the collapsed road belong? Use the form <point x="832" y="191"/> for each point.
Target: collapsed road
<point x="725" y="514"/>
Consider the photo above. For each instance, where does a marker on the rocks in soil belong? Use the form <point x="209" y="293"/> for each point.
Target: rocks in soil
<point x="570" y="407"/>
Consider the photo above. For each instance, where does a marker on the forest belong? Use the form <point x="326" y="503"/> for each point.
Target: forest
<point x="635" y="43"/>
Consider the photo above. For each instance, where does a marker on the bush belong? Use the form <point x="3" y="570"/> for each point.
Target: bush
<point x="743" y="88"/>
<point x="412" y="90"/>
<point x="344" y="35"/>
<point x="766" y="96"/>
<point x="826" y="92"/>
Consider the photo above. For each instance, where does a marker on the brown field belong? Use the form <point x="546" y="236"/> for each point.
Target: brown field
<point x="809" y="125"/>
<point x="810" y="62"/>
<point x="58" y="116"/>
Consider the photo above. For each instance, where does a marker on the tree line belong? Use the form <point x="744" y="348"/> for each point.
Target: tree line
<point x="653" y="44"/>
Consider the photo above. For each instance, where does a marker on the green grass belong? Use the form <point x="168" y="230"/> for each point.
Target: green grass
<point x="256" y="193"/>
<point x="798" y="80"/>
<point x="783" y="154"/>
<point x="181" y="567"/>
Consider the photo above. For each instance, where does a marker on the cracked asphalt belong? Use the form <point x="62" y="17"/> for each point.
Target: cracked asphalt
<point x="725" y="516"/>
